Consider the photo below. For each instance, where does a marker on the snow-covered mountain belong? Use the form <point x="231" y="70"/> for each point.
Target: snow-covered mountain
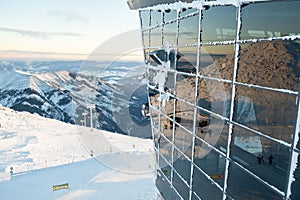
<point x="45" y="152"/>
<point x="66" y="95"/>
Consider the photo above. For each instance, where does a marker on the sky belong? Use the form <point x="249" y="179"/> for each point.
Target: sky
<point x="68" y="29"/>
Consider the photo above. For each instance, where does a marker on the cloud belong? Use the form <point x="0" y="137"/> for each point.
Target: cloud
<point x="68" y="16"/>
<point x="37" y="34"/>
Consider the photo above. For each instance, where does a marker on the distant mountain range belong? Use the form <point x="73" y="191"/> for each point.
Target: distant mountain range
<point x="64" y="90"/>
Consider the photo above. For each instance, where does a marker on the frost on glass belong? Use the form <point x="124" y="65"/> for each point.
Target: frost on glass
<point x="270" y="19"/>
<point x="169" y="34"/>
<point x="219" y="24"/>
<point x="272" y="113"/>
<point x="217" y="61"/>
<point x="170" y="15"/>
<point x="187" y="59"/>
<point x="214" y="96"/>
<point x="186" y="11"/>
<point x="211" y="129"/>
<point x="211" y="162"/>
<point x="265" y="158"/>
<point x="145" y="18"/>
<point x="188" y="34"/>
<point x="182" y="165"/>
<point x="156" y="18"/>
<point x="242" y="185"/>
<point x="272" y="64"/>
<point x="203" y="187"/>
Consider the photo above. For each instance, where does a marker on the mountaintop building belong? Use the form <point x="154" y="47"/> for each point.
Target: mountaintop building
<point x="223" y="83"/>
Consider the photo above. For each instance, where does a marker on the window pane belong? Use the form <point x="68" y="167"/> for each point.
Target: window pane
<point x="270" y="64"/>
<point x="213" y="130"/>
<point x="145" y="18"/>
<point x="219" y="24"/>
<point x="169" y="36"/>
<point x="170" y="15"/>
<point x="241" y="185"/>
<point x="146" y="38"/>
<point x="188" y="30"/>
<point x="204" y="188"/>
<point x="166" y="127"/>
<point x="182" y="166"/>
<point x="265" y="158"/>
<point x="165" y="167"/>
<point x="156" y="135"/>
<point x="155" y="18"/>
<point x="210" y="162"/>
<point x="183" y="141"/>
<point x="214" y="96"/>
<point x="187" y="59"/>
<point x="155" y="37"/>
<point x="154" y="116"/>
<point x="185" y="87"/>
<point x="181" y="187"/>
<point x="272" y="113"/>
<point x="184" y="115"/>
<point x="165" y="148"/>
<point x="186" y="11"/>
<point x="217" y="61"/>
<point x="271" y="19"/>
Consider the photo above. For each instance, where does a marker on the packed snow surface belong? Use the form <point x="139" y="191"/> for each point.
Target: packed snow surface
<point x="45" y="152"/>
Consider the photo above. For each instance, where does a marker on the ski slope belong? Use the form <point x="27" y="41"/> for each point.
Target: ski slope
<point x="45" y="152"/>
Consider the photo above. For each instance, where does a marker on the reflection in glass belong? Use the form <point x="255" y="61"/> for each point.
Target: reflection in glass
<point x="214" y="96"/>
<point x="184" y="115"/>
<point x="186" y="87"/>
<point x="272" y="113"/>
<point x="156" y="136"/>
<point x="165" y="167"/>
<point x="180" y="186"/>
<point x="263" y="157"/>
<point x="210" y="162"/>
<point x="217" y="61"/>
<point x="270" y="64"/>
<point x="204" y="188"/>
<point x="145" y="18"/>
<point x="151" y="77"/>
<point x="156" y="17"/>
<point x="170" y="15"/>
<point x="166" y="127"/>
<point x="169" y="34"/>
<point x="155" y="37"/>
<point x="183" y="141"/>
<point x="165" y="148"/>
<point x="270" y="19"/>
<point x="222" y="29"/>
<point x="213" y="130"/>
<point x="155" y="117"/>
<point x="188" y="34"/>
<point x="187" y="59"/>
<point x="242" y="185"/>
<point x="182" y="166"/>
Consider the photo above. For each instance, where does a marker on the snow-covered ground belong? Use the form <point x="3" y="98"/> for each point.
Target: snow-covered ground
<point x="96" y="164"/>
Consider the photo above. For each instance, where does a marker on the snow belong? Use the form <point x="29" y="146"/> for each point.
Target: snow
<point x="45" y="152"/>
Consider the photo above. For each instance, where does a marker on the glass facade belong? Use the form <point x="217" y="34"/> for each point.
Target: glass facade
<point x="223" y="84"/>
